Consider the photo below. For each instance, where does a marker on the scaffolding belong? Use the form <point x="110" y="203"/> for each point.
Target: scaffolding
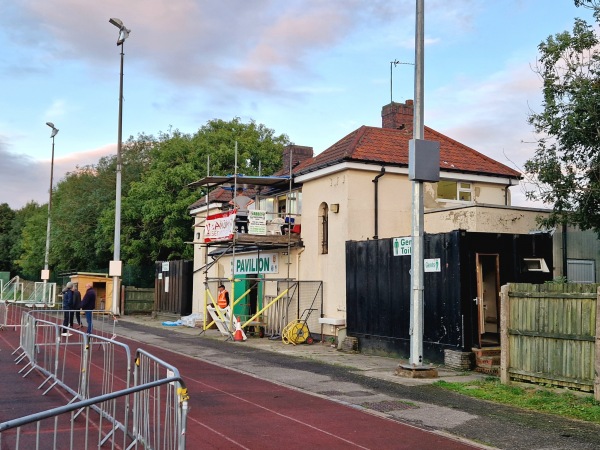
<point x="263" y="305"/>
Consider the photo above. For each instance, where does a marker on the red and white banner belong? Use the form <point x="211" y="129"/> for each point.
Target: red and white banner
<point x="219" y="227"/>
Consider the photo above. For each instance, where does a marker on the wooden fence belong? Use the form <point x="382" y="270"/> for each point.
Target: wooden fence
<point x="550" y="334"/>
<point x="138" y="300"/>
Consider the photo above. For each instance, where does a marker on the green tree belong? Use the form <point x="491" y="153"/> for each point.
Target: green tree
<point x="567" y="159"/>
<point x="156" y="221"/>
<point x="17" y="253"/>
<point x="7" y="217"/>
<point x="80" y="201"/>
<point x="32" y="244"/>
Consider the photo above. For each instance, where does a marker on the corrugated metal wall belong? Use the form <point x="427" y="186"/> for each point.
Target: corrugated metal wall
<point x="580" y="245"/>
<point x="378" y="288"/>
<point x="378" y="296"/>
<point x="173" y="287"/>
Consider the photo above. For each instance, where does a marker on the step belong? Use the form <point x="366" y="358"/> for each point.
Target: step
<point x="487" y="351"/>
<point x="487" y="362"/>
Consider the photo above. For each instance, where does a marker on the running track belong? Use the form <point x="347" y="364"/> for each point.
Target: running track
<point x="232" y="410"/>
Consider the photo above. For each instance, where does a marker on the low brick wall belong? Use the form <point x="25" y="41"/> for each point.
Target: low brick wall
<point x="459" y="360"/>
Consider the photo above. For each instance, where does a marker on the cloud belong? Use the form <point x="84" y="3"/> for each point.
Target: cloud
<point x="198" y="42"/>
<point x="25" y="179"/>
<point x="490" y="115"/>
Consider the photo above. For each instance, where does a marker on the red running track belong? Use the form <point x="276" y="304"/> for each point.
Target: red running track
<point x="231" y="410"/>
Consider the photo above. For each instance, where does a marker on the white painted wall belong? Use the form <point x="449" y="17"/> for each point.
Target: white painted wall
<point x="354" y="190"/>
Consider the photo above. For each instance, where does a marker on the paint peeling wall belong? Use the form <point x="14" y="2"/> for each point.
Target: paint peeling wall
<point x="483" y="218"/>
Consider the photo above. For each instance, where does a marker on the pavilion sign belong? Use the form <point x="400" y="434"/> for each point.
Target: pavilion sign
<point x="256" y="263"/>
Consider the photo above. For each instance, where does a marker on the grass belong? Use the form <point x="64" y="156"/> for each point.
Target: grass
<point x="535" y="398"/>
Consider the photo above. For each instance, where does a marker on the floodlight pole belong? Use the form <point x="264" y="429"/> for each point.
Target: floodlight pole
<point x="46" y="271"/>
<point x="416" y="265"/>
<point x="116" y="265"/>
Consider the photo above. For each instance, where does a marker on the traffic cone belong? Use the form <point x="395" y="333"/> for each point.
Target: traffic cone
<point x="239" y="333"/>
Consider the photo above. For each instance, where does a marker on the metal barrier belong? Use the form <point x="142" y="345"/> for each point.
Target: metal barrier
<point x="61" y="428"/>
<point x="3" y="314"/>
<point x="18" y="295"/>
<point x="159" y="415"/>
<point x="96" y="371"/>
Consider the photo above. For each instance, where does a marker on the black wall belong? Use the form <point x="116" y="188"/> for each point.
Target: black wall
<point x="378" y="289"/>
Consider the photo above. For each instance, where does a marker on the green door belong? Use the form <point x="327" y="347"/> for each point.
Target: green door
<point x="253" y="300"/>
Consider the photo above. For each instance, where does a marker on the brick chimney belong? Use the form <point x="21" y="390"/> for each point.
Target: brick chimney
<point x="398" y="116"/>
<point x="299" y="153"/>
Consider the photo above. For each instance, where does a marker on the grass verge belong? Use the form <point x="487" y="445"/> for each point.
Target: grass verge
<point x="562" y="403"/>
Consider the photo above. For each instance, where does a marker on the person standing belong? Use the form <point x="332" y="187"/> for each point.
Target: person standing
<point x="223" y="298"/>
<point x="77" y="305"/>
<point x="241" y="203"/>
<point x="88" y="304"/>
<point x="67" y="304"/>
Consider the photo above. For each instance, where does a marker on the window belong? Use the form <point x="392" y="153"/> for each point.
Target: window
<point x="581" y="270"/>
<point x="324" y="228"/>
<point x="455" y="190"/>
<point x="279" y="205"/>
<point x="535" y="265"/>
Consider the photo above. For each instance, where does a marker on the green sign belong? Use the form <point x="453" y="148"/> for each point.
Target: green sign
<point x="251" y="264"/>
<point x="402" y="246"/>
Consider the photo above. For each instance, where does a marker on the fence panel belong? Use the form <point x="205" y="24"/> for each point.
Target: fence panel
<point x="138" y="300"/>
<point x="549" y="334"/>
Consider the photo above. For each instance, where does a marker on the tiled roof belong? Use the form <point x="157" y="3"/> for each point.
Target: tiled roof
<point x="219" y="195"/>
<point x="389" y="146"/>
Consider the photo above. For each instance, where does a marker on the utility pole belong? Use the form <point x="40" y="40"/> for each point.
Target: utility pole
<point x="423" y="165"/>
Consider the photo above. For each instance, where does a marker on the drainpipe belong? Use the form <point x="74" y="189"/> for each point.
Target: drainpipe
<point x="564" y="250"/>
<point x="376" y="181"/>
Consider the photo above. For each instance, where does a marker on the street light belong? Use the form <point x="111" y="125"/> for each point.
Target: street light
<point x="46" y="271"/>
<point x="115" y="264"/>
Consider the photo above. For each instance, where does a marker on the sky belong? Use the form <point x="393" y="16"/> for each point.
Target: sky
<point x="314" y="70"/>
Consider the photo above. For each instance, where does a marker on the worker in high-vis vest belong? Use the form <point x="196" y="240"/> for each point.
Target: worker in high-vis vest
<point x="223" y="298"/>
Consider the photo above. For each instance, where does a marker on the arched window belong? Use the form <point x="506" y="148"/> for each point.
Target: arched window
<point x="324" y="228"/>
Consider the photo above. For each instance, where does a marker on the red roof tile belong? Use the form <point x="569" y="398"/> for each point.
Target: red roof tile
<point x="389" y="146"/>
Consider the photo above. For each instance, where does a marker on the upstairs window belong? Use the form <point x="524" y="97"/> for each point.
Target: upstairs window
<point x="281" y="204"/>
<point x="455" y="190"/>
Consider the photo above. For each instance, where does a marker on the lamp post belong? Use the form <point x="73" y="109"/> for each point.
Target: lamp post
<point x="115" y="264"/>
<point x="46" y="271"/>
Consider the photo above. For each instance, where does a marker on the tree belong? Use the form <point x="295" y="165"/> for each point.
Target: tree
<point x="567" y="159"/>
<point x="30" y="223"/>
<point x="156" y="221"/>
<point x="81" y="201"/>
<point x="7" y="217"/>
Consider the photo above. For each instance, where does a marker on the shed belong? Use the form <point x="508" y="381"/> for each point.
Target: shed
<point x="102" y="283"/>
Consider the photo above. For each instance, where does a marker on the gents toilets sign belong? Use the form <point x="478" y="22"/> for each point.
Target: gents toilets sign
<point x="251" y="264"/>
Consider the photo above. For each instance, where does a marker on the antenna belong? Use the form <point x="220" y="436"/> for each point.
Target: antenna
<point x="393" y="64"/>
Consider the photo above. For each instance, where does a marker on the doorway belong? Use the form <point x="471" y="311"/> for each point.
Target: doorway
<point x="488" y="299"/>
<point x="252" y="301"/>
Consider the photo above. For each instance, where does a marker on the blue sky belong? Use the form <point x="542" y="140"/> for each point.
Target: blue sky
<point x="312" y="69"/>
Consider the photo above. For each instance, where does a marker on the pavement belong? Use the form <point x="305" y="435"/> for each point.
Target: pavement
<point x="378" y="367"/>
<point x="369" y="383"/>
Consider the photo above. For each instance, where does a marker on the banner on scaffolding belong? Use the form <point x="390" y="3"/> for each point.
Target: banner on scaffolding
<point x="219" y="227"/>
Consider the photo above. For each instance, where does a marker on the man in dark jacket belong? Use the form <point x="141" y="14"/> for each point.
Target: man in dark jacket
<point x="67" y="304"/>
<point x="77" y="305"/>
<point x="88" y="304"/>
